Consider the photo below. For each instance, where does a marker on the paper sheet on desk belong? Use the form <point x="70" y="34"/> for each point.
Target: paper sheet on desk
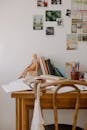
<point x="82" y="87"/>
<point x="67" y="88"/>
<point x="18" y="85"/>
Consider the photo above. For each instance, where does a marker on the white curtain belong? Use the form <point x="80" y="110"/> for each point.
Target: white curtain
<point x="37" y="120"/>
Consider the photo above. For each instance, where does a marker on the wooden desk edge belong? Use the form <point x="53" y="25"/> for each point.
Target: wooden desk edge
<point x="46" y="99"/>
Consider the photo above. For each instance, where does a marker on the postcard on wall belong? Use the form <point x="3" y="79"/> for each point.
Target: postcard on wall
<point x="74" y="28"/>
<point x="42" y="3"/>
<point x="50" y="31"/>
<point x="78" y="4"/>
<point x="78" y="22"/>
<point x="59" y="21"/>
<point x="71" y="42"/>
<point x="54" y="2"/>
<point x="52" y="15"/>
<point x="84" y="26"/>
<point x="84" y="14"/>
<point x="38" y="22"/>
<point x="79" y="37"/>
<point x="81" y="1"/>
<point x="82" y="37"/>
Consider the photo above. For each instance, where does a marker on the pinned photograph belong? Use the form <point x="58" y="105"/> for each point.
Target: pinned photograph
<point x="84" y="26"/>
<point x="42" y="3"/>
<point x="38" y="22"/>
<point x="52" y="15"/>
<point x="79" y="37"/>
<point x="59" y="21"/>
<point x="78" y="22"/>
<point x="56" y="2"/>
<point x="71" y="42"/>
<point x="81" y="1"/>
<point x="82" y="37"/>
<point x="74" y="28"/>
<point x="50" y="31"/>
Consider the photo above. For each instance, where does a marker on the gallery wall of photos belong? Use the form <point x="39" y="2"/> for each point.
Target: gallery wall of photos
<point x="77" y="14"/>
<point x="50" y="16"/>
<point x="78" y="24"/>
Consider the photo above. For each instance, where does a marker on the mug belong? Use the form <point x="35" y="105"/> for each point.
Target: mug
<point x="75" y="75"/>
<point x="85" y="76"/>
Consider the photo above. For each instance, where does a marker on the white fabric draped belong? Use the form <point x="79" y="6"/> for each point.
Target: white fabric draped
<point x="37" y="121"/>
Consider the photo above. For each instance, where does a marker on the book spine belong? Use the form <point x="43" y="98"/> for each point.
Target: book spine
<point x="59" y="72"/>
<point x="43" y="65"/>
<point x="50" y="67"/>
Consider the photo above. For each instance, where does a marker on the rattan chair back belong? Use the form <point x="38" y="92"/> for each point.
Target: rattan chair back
<point x="55" y="107"/>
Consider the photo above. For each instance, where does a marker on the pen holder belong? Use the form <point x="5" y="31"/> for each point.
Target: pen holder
<point x="75" y="75"/>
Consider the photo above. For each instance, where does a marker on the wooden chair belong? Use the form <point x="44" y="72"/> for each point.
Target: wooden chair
<point x="56" y="125"/>
<point x="85" y="126"/>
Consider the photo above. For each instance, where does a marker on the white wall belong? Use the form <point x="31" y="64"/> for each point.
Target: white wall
<point x="18" y="42"/>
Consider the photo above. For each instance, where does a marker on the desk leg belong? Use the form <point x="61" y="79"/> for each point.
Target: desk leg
<point x="18" y="114"/>
<point x="25" y="116"/>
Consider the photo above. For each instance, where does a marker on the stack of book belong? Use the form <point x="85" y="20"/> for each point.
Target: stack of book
<point x="48" y="68"/>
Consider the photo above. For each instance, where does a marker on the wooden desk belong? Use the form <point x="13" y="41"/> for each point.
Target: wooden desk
<point x="25" y="101"/>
